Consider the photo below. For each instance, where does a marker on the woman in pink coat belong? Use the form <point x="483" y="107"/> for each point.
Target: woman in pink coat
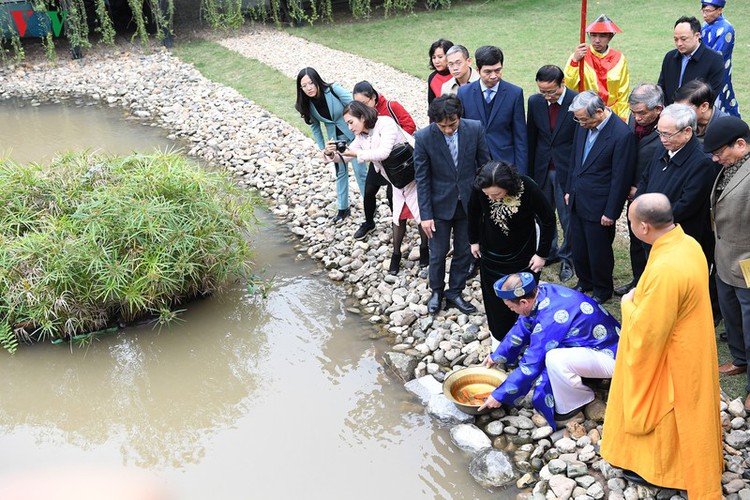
<point x="374" y="139"/>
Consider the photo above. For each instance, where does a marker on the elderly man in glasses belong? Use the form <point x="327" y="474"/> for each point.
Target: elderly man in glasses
<point x="684" y="173"/>
<point x="601" y="172"/>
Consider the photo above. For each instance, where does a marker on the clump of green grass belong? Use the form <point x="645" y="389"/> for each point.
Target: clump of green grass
<point x="90" y="240"/>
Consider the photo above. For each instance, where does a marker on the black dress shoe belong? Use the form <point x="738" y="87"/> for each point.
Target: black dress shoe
<point x="460" y="304"/>
<point x="562" y="417"/>
<point x="363" y="230"/>
<point x="566" y="272"/>
<point x="435" y="302"/>
<point x="634" y="477"/>
<point x="341" y="215"/>
<point x="600" y="300"/>
<point x="580" y="288"/>
<point x="622" y="290"/>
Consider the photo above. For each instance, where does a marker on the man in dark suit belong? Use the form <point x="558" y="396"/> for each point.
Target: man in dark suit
<point x="550" y="129"/>
<point x="498" y="105"/>
<point x="646" y="103"/>
<point x="690" y="60"/>
<point x="600" y="178"/>
<point x="681" y="170"/>
<point x="447" y="155"/>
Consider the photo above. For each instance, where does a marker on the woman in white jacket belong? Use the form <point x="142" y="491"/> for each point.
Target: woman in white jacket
<point x="375" y="137"/>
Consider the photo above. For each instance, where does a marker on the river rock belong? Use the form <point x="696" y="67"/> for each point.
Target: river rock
<point x="566" y="445"/>
<point x="494" y="428"/>
<point x="556" y="466"/>
<point x="734" y="486"/>
<point x="446" y="412"/>
<point x="737" y="408"/>
<point x="576" y="469"/>
<point x="518" y="422"/>
<point x="595" y="410"/>
<point x="402" y="364"/>
<point x="470" y="438"/>
<point x="562" y="486"/>
<point x="424" y="388"/>
<point x="737" y="439"/>
<point x="491" y="468"/>
<point x="541" y="432"/>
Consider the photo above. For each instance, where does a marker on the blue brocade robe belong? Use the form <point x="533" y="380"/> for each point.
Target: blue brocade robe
<point x="561" y="318"/>
<point x="719" y="35"/>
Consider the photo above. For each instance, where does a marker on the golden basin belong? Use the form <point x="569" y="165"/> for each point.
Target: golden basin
<point x="463" y="386"/>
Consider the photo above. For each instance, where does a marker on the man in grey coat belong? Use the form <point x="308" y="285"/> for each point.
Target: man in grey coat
<point x="728" y="141"/>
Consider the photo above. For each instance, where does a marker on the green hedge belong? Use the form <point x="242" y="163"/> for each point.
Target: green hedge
<point x="89" y="240"/>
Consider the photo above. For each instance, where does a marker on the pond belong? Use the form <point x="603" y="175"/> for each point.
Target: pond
<point x="245" y="397"/>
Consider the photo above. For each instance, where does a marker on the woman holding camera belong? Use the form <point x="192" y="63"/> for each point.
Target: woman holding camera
<point x="503" y="212"/>
<point x="375" y="138"/>
<point x="320" y="102"/>
<point x="366" y="94"/>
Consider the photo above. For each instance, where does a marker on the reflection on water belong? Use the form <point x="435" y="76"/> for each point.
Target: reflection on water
<point x="244" y="398"/>
<point x="36" y="133"/>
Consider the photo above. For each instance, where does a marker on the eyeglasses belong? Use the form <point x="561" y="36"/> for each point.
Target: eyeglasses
<point x="665" y="135"/>
<point x="708" y="10"/>
<point x="582" y="120"/>
<point x="718" y="152"/>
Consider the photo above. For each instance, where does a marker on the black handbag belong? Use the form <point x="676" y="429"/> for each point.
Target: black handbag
<point x="399" y="166"/>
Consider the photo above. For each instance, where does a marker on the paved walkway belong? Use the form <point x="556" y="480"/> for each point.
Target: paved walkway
<point x="289" y="54"/>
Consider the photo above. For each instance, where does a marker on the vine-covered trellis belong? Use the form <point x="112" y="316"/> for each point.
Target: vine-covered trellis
<point x="76" y="19"/>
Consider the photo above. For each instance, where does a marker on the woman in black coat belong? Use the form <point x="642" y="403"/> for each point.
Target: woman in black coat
<point x="504" y="210"/>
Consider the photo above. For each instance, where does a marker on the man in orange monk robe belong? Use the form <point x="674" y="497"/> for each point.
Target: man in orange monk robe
<point x="662" y="423"/>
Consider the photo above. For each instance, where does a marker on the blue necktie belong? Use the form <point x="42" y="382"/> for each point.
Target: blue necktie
<point x="488" y="95"/>
<point x="587" y="147"/>
<point x="685" y="60"/>
<point x="454" y="149"/>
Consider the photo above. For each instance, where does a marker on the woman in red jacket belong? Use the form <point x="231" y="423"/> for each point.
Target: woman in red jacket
<point x="367" y="95"/>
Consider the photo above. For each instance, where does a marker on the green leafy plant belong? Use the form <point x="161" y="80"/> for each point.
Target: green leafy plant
<point x="90" y="241"/>
<point x="258" y="285"/>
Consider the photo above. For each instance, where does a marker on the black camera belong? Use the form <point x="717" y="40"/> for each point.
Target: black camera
<point x="341" y="146"/>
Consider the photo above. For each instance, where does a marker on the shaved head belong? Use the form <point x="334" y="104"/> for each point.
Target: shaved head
<point x="654" y="209"/>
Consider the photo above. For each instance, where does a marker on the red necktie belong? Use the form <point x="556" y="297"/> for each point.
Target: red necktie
<point x="554" y="109"/>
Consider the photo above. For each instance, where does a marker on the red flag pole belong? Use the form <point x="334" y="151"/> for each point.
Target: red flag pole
<point x="583" y="40"/>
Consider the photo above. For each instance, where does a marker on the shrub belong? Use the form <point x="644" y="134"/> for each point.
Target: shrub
<point x="90" y="240"/>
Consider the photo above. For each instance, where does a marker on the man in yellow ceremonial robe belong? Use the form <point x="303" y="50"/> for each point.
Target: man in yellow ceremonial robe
<point x="662" y="423"/>
<point x="605" y="69"/>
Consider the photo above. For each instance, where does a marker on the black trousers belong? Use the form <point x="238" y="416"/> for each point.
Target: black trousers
<point x="593" y="256"/>
<point x="373" y="183"/>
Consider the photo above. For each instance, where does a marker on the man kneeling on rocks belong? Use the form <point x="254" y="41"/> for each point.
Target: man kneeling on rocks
<point x="566" y="336"/>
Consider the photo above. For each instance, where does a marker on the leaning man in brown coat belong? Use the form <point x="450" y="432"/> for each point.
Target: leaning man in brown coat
<point x="727" y="141"/>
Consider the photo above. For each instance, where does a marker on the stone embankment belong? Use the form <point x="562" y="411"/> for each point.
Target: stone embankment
<point x="262" y="151"/>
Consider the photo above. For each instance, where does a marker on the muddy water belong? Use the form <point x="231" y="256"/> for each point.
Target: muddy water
<point x="246" y="397"/>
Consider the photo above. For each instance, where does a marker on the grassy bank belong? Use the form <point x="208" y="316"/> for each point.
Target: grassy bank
<point x="266" y="86"/>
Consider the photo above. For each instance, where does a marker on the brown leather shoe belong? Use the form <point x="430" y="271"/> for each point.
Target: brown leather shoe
<point x="731" y="369"/>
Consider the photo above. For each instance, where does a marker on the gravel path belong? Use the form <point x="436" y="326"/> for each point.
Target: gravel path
<point x="289" y="54"/>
